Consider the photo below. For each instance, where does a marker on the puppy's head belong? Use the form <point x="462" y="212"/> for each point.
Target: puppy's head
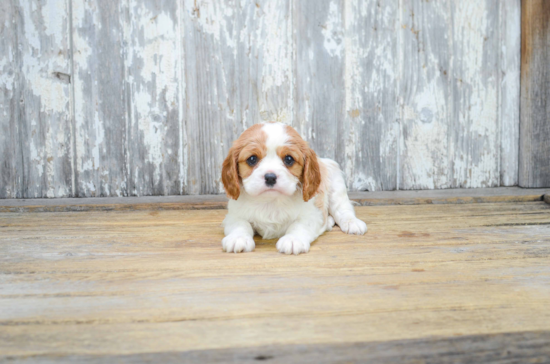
<point x="271" y="159"/>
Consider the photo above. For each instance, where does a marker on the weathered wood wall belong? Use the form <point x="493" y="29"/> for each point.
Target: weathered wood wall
<point x="102" y="98"/>
<point x="534" y="158"/>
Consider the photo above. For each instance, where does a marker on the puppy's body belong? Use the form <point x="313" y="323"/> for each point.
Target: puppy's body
<point x="280" y="189"/>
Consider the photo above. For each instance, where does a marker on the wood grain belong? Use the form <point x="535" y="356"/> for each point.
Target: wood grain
<point x="44" y="121"/>
<point x="474" y="147"/>
<point x="534" y="164"/>
<point x="509" y="93"/>
<point x="101" y="98"/>
<point x="264" y="66"/>
<point x="10" y="148"/>
<point x="459" y="117"/>
<point x="371" y="134"/>
<point x="425" y="93"/>
<point x="131" y="282"/>
<point x="155" y="88"/>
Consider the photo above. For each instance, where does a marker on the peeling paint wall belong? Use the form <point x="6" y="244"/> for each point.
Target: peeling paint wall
<point x="144" y="97"/>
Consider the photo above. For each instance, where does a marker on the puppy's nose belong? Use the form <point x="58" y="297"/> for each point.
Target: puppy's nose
<point x="270" y="179"/>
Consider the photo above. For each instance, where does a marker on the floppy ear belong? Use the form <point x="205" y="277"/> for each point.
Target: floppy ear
<point x="230" y="175"/>
<point x="311" y="175"/>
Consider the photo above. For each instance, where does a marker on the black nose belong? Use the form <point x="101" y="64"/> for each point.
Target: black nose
<point x="270" y="179"/>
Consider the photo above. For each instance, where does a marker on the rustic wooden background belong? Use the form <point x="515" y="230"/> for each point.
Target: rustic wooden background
<point x="534" y="154"/>
<point x="144" y="97"/>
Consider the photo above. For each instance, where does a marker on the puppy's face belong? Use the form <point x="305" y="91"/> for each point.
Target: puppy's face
<point x="271" y="159"/>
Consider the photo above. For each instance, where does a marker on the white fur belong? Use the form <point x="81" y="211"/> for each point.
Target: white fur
<point x="287" y="183"/>
<point x="280" y="211"/>
<point x="340" y="207"/>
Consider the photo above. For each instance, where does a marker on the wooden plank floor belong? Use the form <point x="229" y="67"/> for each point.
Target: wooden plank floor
<point x="448" y="281"/>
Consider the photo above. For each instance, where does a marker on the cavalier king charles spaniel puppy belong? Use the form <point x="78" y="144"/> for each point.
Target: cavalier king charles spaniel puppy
<point x="279" y="188"/>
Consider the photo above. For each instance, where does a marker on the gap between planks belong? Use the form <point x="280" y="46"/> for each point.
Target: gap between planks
<point x="216" y="202"/>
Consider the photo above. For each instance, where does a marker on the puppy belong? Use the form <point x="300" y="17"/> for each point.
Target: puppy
<point x="279" y="188"/>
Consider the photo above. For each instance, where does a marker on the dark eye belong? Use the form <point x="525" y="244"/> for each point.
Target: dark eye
<point x="289" y="161"/>
<point x="251" y="161"/>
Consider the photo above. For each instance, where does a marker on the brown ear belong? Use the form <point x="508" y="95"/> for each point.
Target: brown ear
<point x="230" y="175"/>
<point x="312" y="175"/>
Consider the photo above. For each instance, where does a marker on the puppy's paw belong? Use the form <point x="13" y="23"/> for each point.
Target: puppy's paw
<point x="238" y="243"/>
<point x="330" y="223"/>
<point x="353" y="226"/>
<point x="290" y="244"/>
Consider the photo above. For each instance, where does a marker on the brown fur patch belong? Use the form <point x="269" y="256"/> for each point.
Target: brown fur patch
<point x="311" y="174"/>
<point x="251" y="142"/>
<point x="295" y="152"/>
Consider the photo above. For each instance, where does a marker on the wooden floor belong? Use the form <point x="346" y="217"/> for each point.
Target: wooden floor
<point x="427" y="283"/>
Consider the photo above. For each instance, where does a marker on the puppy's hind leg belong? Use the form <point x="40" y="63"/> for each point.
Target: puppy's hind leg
<point x="340" y="207"/>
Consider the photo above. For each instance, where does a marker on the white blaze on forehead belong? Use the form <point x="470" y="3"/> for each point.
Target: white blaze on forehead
<point x="276" y="137"/>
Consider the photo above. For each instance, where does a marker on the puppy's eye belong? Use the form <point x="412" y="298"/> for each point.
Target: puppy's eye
<point x="289" y="161"/>
<point x="251" y="161"/>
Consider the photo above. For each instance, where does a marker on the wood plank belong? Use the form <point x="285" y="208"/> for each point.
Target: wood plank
<point x="460" y="112"/>
<point x="475" y="144"/>
<point x="264" y="63"/>
<point x="9" y="104"/>
<point x="101" y="98"/>
<point x="509" y="93"/>
<point x="505" y="348"/>
<point x="426" y="95"/>
<point x="319" y="75"/>
<point x="154" y="62"/>
<point x="208" y="202"/>
<point x="125" y="283"/>
<point x="371" y="133"/>
<point x="45" y="132"/>
<point x="534" y="164"/>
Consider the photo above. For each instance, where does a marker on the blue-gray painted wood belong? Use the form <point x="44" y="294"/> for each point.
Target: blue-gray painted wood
<point x="10" y="158"/>
<point x="154" y="59"/>
<point x="372" y="53"/>
<point x="101" y="97"/>
<point x="39" y="120"/>
<point x="474" y="142"/>
<point x="144" y="97"/>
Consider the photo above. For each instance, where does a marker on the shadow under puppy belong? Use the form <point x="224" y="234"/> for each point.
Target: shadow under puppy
<point x="279" y="188"/>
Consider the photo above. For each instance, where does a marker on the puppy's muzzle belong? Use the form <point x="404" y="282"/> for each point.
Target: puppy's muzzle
<point x="270" y="179"/>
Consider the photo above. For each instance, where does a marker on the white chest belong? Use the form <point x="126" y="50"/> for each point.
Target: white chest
<point x="270" y="219"/>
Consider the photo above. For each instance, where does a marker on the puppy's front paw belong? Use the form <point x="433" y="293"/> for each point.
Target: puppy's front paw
<point x="238" y="243"/>
<point x="353" y="226"/>
<point x="290" y="244"/>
